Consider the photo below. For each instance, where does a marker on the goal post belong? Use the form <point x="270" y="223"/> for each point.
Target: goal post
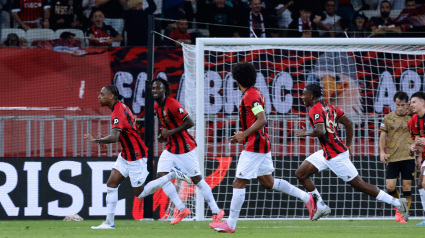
<point x="359" y="74"/>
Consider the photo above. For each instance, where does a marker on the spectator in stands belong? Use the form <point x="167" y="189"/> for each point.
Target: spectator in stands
<point x="221" y="14"/>
<point x="136" y="22"/>
<point x="331" y="20"/>
<point x="29" y="14"/>
<point x="63" y="14"/>
<point x="283" y="17"/>
<point x="101" y="34"/>
<point x="113" y="11"/>
<point x="13" y="40"/>
<point x="180" y="33"/>
<point x="256" y="19"/>
<point x="410" y="4"/>
<point x="384" y="25"/>
<point x="173" y="9"/>
<point x="395" y="4"/>
<point x="347" y="8"/>
<point x="359" y="29"/>
<point x="303" y="27"/>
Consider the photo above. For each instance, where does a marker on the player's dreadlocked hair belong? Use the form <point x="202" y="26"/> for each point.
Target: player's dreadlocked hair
<point x="315" y="89"/>
<point x="114" y="90"/>
<point x="245" y="74"/>
<point x="166" y="85"/>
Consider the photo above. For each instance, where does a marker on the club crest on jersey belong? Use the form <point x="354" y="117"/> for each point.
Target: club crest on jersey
<point x="116" y="121"/>
<point x="316" y="116"/>
<point x="254" y="104"/>
<point x="181" y="110"/>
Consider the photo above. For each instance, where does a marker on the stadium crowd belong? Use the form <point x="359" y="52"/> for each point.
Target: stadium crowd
<point x="124" y="22"/>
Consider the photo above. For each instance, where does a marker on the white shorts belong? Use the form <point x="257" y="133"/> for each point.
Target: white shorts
<point x="252" y="165"/>
<point x="341" y="165"/>
<point x="137" y="170"/>
<point x="187" y="162"/>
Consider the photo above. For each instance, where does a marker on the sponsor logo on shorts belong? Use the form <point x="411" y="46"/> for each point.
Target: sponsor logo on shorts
<point x="240" y="174"/>
<point x="116" y="121"/>
<point x="348" y="177"/>
<point x="138" y="182"/>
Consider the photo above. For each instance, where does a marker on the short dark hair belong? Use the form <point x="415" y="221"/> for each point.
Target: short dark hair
<point x="419" y="94"/>
<point x="114" y="90"/>
<point x="387" y="2"/>
<point x="409" y="1"/>
<point x="165" y="83"/>
<point x="401" y="96"/>
<point x="245" y="74"/>
<point x="315" y="89"/>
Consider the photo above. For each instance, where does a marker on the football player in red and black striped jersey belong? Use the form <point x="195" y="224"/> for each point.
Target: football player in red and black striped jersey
<point x="132" y="160"/>
<point x="180" y="150"/>
<point x="29" y="13"/>
<point x="417" y="127"/>
<point x="335" y="155"/>
<point x="255" y="160"/>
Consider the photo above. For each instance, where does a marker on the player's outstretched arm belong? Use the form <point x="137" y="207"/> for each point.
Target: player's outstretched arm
<point x="258" y="124"/>
<point x="187" y="123"/>
<point x="111" y="138"/>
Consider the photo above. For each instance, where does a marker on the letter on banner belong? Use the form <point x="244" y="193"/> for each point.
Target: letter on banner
<point x="7" y="187"/>
<point x="139" y="89"/>
<point x="262" y="85"/>
<point x="122" y="78"/>
<point x="99" y="188"/>
<point x="32" y="208"/>
<point x="408" y="77"/>
<point x="212" y="98"/>
<point x="386" y="87"/>
<point x="282" y="103"/>
<point x="74" y="191"/>
<point x="232" y="94"/>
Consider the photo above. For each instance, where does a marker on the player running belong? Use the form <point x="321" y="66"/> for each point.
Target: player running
<point x="255" y="160"/>
<point x="132" y="160"/>
<point x="416" y="127"/>
<point x="334" y="155"/>
<point x="180" y="149"/>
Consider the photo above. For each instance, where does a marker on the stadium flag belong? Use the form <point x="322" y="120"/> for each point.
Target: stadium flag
<point x="69" y="46"/>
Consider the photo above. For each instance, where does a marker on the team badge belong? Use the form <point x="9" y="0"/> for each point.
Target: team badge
<point x="116" y="121"/>
<point x="316" y="116"/>
<point x="181" y="110"/>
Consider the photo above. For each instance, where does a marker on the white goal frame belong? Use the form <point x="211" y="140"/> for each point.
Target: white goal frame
<point x="200" y="47"/>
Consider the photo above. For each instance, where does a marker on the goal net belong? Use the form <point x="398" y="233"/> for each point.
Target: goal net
<point x="358" y="76"/>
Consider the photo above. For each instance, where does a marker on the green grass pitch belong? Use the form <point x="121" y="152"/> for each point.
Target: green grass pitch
<point x="257" y="229"/>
